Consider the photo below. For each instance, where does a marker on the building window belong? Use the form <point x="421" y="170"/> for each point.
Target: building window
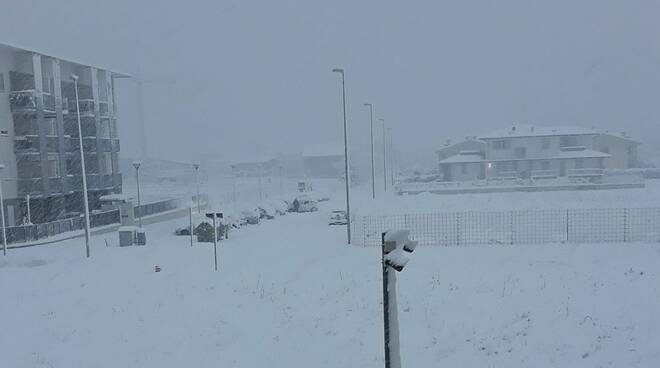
<point x="568" y="141"/>
<point x="520" y="152"/>
<point x="501" y="144"/>
<point x="579" y="164"/>
<point x="51" y="127"/>
<point x="2" y="82"/>
<point x="463" y="168"/>
<point x="53" y="167"/>
<point x="545" y="143"/>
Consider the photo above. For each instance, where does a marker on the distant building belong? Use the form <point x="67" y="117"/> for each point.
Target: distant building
<point x="296" y="166"/>
<point x="526" y="151"/>
<point x="39" y="134"/>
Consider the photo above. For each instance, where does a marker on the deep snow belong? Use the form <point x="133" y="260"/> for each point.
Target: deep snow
<point x="290" y="292"/>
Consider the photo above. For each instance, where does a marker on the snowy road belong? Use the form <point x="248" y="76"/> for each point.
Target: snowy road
<point x="290" y="293"/>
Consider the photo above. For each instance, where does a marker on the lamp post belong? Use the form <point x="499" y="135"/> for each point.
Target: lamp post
<point x="373" y="166"/>
<point x="196" y="167"/>
<point x="136" y="165"/>
<point x="233" y="173"/>
<point x="82" y="165"/>
<point x="384" y="156"/>
<point x="346" y="167"/>
<point x="392" y="168"/>
<point x="2" y="217"/>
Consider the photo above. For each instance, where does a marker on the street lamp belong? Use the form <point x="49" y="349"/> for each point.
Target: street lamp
<point x="82" y="165"/>
<point x="2" y="217"/>
<point x="346" y="167"/>
<point x="373" y="167"/>
<point x="384" y="156"/>
<point x="196" y="167"/>
<point x="136" y="165"/>
<point x="392" y="167"/>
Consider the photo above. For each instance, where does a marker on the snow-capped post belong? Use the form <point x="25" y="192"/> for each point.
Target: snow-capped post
<point x="394" y="243"/>
<point x="214" y="216"/>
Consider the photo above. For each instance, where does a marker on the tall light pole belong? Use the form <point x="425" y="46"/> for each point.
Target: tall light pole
<point x="196" y="167"/>
<point x="346" y="167"/>
<point x="2" y="217"/>
<point x="392" y="168"/>
<point x="384" y="156"/>
<point x="136" y="165"/>
<point x="82" y="165"/>
<point x="373" y="164"/>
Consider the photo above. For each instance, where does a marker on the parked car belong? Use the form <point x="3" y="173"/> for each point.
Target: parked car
<point x="266" y="212"/>
<point x="337" y="218"/>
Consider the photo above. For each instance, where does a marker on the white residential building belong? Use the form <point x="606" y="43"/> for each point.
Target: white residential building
<point x="526" y="151"/>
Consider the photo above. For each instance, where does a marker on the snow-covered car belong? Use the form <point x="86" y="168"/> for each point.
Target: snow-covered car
<point x="249" y="218"/>
<point x="337" y="218"/>
<point x="281" y="207"/>
<point x="304" y="204"/>
<point x="266" y="212"/>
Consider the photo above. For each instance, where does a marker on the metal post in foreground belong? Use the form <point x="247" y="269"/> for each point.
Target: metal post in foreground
<point x="2" y="216"/>
<point x="29" y="213"/>
<point x="393" y="244"/>
<point x="373" y="164"/>
<point x="82" y="165"/>
<point x="346" y="160"/>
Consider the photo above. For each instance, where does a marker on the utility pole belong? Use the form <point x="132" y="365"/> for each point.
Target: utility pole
<point x="346" y="160"/>
<point x="373" y="164"/>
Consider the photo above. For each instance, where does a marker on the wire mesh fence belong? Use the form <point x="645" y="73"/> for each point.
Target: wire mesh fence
<point x="593" y="225"/>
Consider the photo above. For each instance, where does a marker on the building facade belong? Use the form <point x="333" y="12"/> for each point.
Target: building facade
<point x="39" y="140"/>
<point x="541" y="152"/>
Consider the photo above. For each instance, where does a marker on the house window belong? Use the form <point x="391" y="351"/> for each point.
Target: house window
<point x="501" y="144"/>
<point x="53" y="167"/>
<point x="520" y="152"/>
<point x="579" y="164"/>
<point x="545" y="143"/>
<point x="51" y="127"/>
<point x="2" y="82"/>
<point x="568" y="141"/>
<point x="606" y="149"/>
<point x="463" y="168"/>
<point x="545" y="165"/>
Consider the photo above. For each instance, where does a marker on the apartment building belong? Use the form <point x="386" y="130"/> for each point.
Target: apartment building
<point x="39" y="140"/>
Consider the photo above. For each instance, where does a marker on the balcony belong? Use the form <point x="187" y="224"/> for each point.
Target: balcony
<point x="103" y="109"/>
<point x="30" y="186"/>
<point x="56" y="185"/>
<point x="89" y="144"/>
<point x="74" y="182"/>
<point x="30" y="144"/>
<point x="86" y="107"/>
<point x="26" y="102"/>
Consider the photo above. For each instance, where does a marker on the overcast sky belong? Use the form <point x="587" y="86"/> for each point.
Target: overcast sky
<point x="253" y="78"/>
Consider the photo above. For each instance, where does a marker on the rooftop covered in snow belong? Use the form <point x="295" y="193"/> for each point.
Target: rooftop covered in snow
<point x="537" y="131"/>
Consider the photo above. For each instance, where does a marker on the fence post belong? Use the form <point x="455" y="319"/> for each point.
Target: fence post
<point x="625" y="225"/>
<point x="567" y="223"/>
<point x="511" y="223"/>
<point x="458" y="228"/>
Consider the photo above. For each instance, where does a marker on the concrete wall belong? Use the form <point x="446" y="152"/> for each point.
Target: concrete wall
<point x="623" y="151"/>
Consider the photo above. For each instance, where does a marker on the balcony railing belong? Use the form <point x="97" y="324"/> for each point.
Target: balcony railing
<point x="89" y="144"/>
<point x="74" y="182"/>
<point x="56" y="185"/>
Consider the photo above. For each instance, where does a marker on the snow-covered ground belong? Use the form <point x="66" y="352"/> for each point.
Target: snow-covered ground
<point x="430" y="203"/>
<point x="291" y="293"/>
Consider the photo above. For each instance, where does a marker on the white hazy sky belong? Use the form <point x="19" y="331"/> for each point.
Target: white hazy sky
<point x="253" y="77"/>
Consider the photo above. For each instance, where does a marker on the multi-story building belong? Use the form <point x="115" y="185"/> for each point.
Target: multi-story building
<point x="39" y="140"/>
<point x="541" y="152"/>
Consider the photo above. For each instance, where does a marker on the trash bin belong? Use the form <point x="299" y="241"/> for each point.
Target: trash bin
<point x="126" y="236"/>
<point x="141" y="237"/>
